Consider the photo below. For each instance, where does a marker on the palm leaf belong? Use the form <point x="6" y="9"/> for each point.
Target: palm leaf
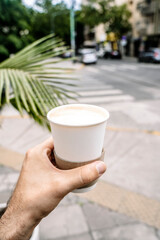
<point x="31" y="81"/>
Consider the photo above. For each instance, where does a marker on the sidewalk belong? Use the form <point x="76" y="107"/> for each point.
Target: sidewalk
<point x="79" y="219"/>
<point x="124" y="205"/>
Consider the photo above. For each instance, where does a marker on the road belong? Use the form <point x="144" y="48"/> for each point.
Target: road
<point x="129" y="90"/>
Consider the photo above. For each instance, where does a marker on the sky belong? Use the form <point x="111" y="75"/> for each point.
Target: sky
<point x="31" y="2"/>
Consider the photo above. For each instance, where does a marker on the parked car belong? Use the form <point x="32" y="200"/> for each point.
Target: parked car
<point x="100" y="53"/>
<point x="88" y="56"/>
<point x="67" y="54"/>
<point x="151" y="56"/>
<point x="114" y="54"/>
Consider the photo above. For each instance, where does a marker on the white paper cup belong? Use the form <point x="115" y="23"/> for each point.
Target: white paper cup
<point x="78" y="142"/>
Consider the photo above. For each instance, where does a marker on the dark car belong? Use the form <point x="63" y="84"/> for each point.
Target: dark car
<point x="114" y="54"/>
<point x="151" y="56"/>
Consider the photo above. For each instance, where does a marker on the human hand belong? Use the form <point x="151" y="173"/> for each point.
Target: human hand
<point x="41" y="186"/>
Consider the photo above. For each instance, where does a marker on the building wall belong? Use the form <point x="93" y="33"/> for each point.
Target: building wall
<point x="145" y="25"/>
<point x="145" y="19"/>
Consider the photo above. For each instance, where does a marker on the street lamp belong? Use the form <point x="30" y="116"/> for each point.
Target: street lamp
<point x="72" y="28"/>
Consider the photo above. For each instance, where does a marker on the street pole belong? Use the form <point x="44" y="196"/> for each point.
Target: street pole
<point x="72" y="29"/>
<point x="156" y="18"/>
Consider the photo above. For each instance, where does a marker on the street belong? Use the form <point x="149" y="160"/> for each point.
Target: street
<point x="130" y="90"/>
<point x="126" y="202"/>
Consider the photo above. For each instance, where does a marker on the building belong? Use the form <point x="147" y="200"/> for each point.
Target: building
<point x="150" y="11"/>
<point x="145" y="21"/>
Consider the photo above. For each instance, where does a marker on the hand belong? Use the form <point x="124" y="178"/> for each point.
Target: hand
<point x="41" y="186"/>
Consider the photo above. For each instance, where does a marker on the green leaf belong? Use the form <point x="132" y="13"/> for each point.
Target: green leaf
<point x="1" y="85"/>
<point x="13" y="84"/>
<point x="7" y="86"/>
<point x="32" y="80"/>
<point x="20" y="88"/>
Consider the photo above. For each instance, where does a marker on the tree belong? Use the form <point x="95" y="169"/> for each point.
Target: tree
<point x="15" y="22"/>
<point x="115" y="18"/>
<point x="119" y="23"/>
<point x="53" y="18"/>
<point x="95" y="12"/>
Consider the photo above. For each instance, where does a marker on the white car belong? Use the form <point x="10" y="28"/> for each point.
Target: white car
<point x="88" y="56"/>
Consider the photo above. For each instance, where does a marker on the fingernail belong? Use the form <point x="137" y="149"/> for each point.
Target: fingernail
<point x="101" y="168"/>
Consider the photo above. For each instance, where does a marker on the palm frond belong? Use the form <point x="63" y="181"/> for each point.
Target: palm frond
<point x="31" y="81"/>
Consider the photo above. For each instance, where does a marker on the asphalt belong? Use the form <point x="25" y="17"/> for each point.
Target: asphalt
<point x="125" y="204"/>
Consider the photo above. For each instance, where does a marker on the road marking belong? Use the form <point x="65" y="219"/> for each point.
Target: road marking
<point x="11" y="158"/>
<point x="91" y="69"/>
<point x="151" y="132"/>
<point x="149" y="66"/>
<point x="106" y="99"/>
<point x="113" y="68"/>
<point x="96" y="87"/>
<point x="127" y="202"/>
<point x="109" y="68"/>
<point x="99" y="92"/>
<point x="14" y="116"/>
<point x="127" y="67"/>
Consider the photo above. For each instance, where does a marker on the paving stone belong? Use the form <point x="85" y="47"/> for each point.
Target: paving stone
<point x="64" y="221"/>
<point x="4" y="196"/>
<point x="8" y="181"/>
<point x="4" y="169"/>
<point x="99" y="217"/>
<point x="127" y="232"/>
<point x="11" y="178"/>
<point x="97" y="235"/>
<point x="85" y="236"/>
<point x="158" y="233"/>
<point x="73" y="198"/>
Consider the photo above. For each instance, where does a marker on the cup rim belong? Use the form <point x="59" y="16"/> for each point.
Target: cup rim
<point x="80" y="105"/>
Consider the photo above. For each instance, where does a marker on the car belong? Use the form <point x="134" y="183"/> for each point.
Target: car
<point x="88" y="56"/>
<point x="150" y="56"/>
<point x="67" y="54"/>
<point x="114" y="54"/>
<point x="100" y="53"/>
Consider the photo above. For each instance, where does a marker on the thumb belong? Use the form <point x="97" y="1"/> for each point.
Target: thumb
<point x="79" y="177"/>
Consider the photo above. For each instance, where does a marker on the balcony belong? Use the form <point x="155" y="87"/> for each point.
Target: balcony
<point x="147" y="9"/>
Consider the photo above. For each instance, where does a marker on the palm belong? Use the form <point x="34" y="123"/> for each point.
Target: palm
<point x="30" y="83"/>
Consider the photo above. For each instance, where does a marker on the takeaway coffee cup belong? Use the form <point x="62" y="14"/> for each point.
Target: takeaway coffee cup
<point x="78" y="131"/>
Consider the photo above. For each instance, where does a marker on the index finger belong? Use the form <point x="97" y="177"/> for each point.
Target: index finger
<point x="48" y="143"/>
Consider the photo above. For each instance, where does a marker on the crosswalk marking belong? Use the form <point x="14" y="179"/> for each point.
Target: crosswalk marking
<point x="127" y="67"/>
<point x="92" y="87"/>
<point x="92" y="69"/>
<point x="100" y="92"/>
<point x="152" y="66"/>
<point x="96" y="100"/>
<point x="109" y="68"/>
<point x="120" y="67"/>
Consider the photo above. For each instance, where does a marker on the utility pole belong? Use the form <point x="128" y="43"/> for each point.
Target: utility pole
<point x="156" y="18"/>
<point x="72" y="28"/>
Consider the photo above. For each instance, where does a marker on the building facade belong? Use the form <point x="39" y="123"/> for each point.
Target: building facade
<point x="145" y="21"/>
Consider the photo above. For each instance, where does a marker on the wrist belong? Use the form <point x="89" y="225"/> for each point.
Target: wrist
<point x="16" y="223"/>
